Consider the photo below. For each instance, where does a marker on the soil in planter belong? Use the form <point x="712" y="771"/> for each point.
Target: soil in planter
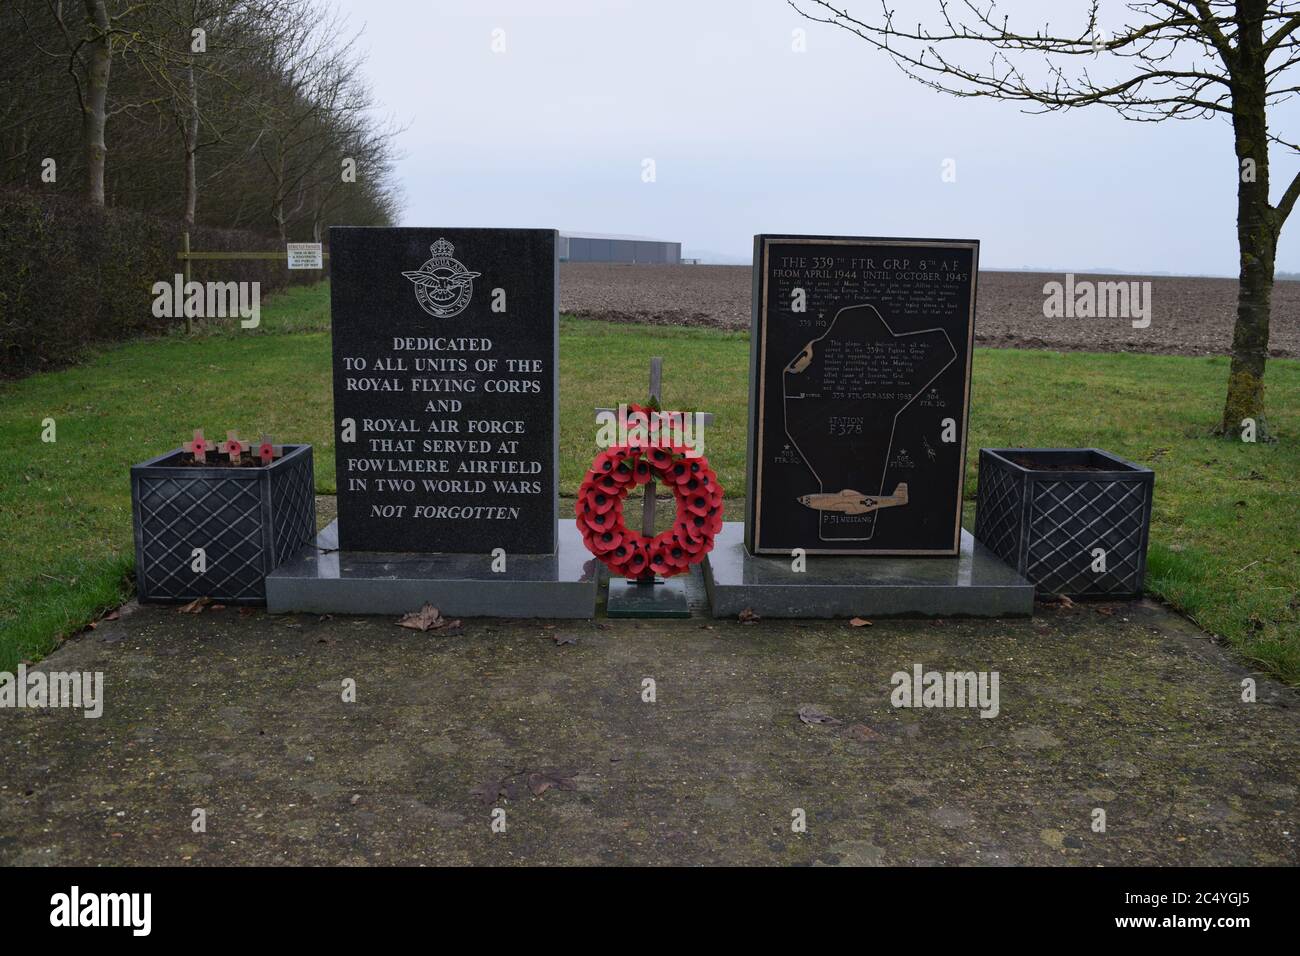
<point x="1033" y="465"/>
<point x="221" y="461"/>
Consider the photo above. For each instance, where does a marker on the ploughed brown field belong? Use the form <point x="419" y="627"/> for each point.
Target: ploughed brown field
<point x="1188" y="316"/>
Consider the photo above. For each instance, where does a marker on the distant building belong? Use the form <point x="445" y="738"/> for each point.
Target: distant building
<point x="593" y="247"/>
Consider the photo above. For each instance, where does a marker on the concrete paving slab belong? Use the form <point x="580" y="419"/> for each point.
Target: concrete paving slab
<point x="1127" y="709"/>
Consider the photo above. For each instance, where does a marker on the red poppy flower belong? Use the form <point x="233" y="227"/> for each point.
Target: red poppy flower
<point x="600" y="501"/>
<point x="691" y="471"/>
<point x="605" y="463"/>
<point x="676" y="555"/>
<point x="659" y="563"/>
<point x="697" y="503"/>
<point x="598" y="521"/>
<point x="607" y="540"/>
<point x="677" y="471"/>
<point x="641" y="471"/>
<point x="636" y="564"/>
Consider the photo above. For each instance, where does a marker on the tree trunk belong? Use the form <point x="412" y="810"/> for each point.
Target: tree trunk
<point x="1256" y="231"/>
<point x="95" y="109"/>
<point x="191" y="149"/>
<point x="277" y="211"/>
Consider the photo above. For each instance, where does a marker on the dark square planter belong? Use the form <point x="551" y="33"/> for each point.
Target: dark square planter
<point x="247" y="520"/>
<point x="1045" y="511"/>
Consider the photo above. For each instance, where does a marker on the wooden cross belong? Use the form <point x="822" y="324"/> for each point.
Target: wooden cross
<point x="269" y="452"/>
<point x="648" y="499"/>
<point x="233" y="447"/>
<point x="200" y="446"/>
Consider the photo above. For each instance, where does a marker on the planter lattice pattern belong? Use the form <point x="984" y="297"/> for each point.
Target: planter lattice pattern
<point x="247" y="520"/>
<point x="1048" y="523"/>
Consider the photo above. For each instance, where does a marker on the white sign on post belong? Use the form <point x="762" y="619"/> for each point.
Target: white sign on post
<point x="304" y="255"/>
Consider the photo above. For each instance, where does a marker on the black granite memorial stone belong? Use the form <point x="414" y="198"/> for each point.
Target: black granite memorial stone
<point x="860" y="378"/>
<point x="445" y="389"/>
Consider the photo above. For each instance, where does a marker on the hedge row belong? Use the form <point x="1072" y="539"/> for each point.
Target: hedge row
<point x="72" y="275"/>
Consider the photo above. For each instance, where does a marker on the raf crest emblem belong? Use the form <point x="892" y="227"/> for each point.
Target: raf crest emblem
<point x="443" y="286"/>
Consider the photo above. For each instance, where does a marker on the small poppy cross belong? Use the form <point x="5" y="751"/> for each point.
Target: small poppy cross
<point x="268" y="452"/>
<point x="233" y="447"/>
<point x="200" y="446"/>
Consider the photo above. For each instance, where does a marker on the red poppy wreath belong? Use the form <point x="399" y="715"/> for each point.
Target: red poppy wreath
<point x="619" y="469"/>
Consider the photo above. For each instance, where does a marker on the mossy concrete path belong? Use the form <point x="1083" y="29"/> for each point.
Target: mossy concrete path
<point x="1128" y="710"/>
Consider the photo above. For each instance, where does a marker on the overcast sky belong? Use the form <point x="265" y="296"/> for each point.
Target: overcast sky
<point x="748" y="136"/>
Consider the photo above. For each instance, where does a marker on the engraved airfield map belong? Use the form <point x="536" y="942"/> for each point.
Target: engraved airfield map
<point x="862" y="356"/>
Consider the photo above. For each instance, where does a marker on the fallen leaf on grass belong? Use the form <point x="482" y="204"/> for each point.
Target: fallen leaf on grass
<point x="860" y="622"/>
<point x="812" y="714"/>
<point x="194" y="607"/>
<point x="425" y="619"/>
<point x="861" y="732"/>
<point x="564" y="638"/>
<point x="747" y="616"/>
<point x="111" y="616"/>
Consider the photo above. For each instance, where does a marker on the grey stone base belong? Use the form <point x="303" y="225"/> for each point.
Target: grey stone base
<point x="324" y="580"/>
<point x="976" y="583"/>
<point x="666" y="598"/>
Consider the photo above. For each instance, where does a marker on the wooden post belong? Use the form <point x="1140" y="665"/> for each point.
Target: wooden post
<point x="648" y="501"/>
<point x="185" y="244"/>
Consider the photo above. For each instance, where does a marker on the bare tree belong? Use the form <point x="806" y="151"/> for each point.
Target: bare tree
<point x="192" y="43"/>
<point x="319" y="95"/>
<point x="245" y="125"/>
<point x="91" y="35"/>
<point x="1180" y="59"/>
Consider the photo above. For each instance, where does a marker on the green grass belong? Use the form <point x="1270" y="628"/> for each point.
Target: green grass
<point x="1226" y="528"/>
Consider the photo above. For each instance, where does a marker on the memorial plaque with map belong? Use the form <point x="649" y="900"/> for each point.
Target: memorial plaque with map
<point x="860" y="379"/>
<point x="445" y="389"/>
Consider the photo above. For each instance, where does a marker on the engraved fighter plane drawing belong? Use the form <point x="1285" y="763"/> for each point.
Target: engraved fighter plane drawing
<point x="850" y="502"/>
